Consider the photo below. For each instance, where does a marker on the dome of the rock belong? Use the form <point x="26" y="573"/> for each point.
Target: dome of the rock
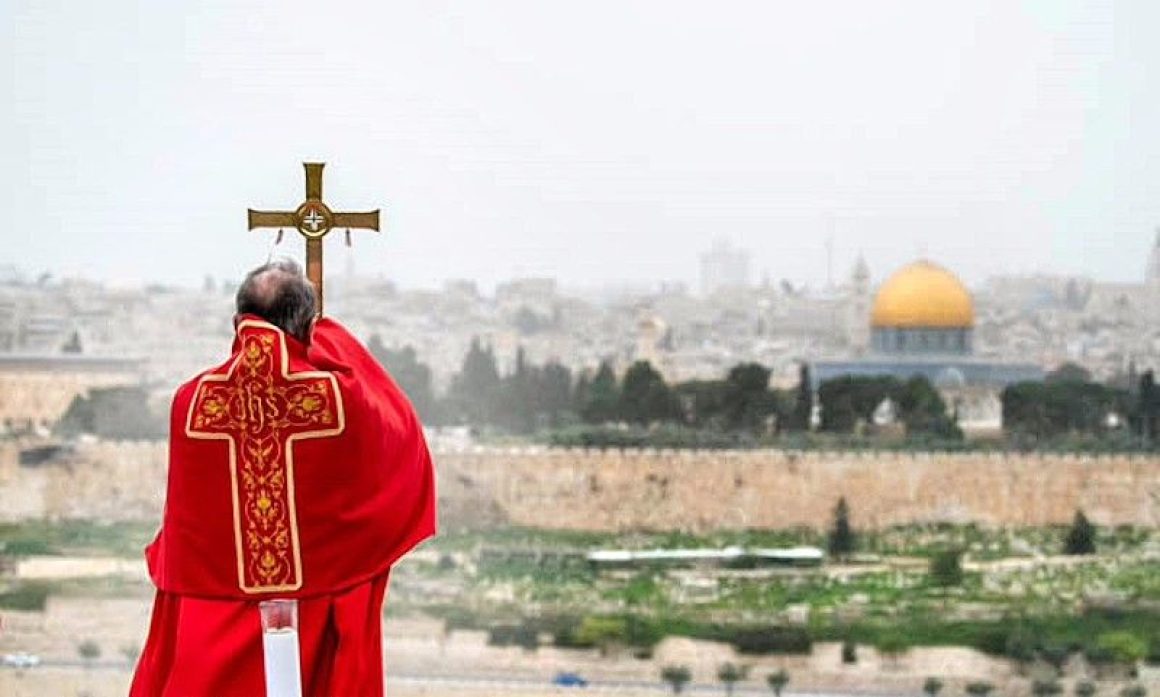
<point x="923" y="295"/>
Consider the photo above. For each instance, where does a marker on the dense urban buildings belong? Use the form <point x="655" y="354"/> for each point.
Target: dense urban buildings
<point x="1006" y="329"/>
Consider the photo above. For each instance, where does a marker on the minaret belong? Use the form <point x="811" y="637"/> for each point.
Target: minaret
<point x="858" y="321"/>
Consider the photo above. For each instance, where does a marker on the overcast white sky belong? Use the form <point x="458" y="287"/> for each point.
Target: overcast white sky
<point x="599" y="142"/>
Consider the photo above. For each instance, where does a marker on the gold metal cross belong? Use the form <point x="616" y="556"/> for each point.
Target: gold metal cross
<point x="314" y="219"/>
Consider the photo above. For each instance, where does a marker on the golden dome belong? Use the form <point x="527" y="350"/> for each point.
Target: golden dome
<point x="923" y="295"/>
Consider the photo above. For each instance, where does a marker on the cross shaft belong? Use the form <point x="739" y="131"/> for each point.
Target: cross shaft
<point x="313" y="219"/>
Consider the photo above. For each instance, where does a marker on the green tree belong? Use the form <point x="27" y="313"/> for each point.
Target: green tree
<point x="1068" y="372"/>
<point x="580" y="392"/>
<point x="923" y="410"/>
<point x="702" y="403"/>
<point x="554" y="397"/>
<point x="603" y="397"/>
<point x="852" y="398"/>
<point x="747" y="399"/>
<point x="849" y="652"/>
<point x="803" y="407"/>
<point x="730" y="674"/>
<point x="113" y="413"/>
<point x="932" y="686"/>
<point x="1147" y="407"/>
<point x="1134" y="691"/>
<point x="1085" y="688"/>
<point x="412" y="375"/>
<point x="602" y="632"/>
<point x="1046" y="688"/>
<point x="1042" y="410"/>
<point x="841" y="541"/>
<point x="644" y="396"/>
<point x="892" y="646"/>
<point x="1081" y="538"/>
<point x="1055" y="655"/>
<point x="676" y="677"/>
<point x="1122" y="647"/>
<point x="980" y="688"/>
<point x="518" y="399"/>
<point x="777" y="681"/>
<point x="476" y="388"/>
<point x="1021" y="646"/>
<point x="946" y="568"/>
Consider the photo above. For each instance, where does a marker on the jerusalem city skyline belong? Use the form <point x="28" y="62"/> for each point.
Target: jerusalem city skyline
<point x="643" y="346"/>
<point x="832" y="268"/>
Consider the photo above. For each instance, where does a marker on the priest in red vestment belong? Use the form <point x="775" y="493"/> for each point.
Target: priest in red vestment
<point x="297" y="469"/>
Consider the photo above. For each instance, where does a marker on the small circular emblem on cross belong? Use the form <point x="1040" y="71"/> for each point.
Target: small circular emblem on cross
<point x="314" y="219"/>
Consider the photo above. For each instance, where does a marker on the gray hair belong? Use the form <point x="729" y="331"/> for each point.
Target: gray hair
<point x="280" y="293"/>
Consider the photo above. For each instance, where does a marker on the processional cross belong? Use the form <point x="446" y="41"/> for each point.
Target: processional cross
<point x="314" y="219"/>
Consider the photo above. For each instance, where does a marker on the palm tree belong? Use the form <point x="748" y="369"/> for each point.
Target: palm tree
<point x="677" y="677"/>
<point x="729" y="674"/>
<point x="932" y="686"/>
<point x="777" y="681"/>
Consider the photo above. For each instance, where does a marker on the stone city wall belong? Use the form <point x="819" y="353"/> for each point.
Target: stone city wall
<point x="580" y="489"/>
<point x="698" y="491"/>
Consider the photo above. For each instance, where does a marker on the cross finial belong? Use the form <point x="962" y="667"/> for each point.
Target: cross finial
<point x="313" y="219"/>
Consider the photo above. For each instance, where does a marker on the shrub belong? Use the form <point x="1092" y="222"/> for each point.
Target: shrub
<point x="513" y="635"/>
<point x="841" y="540"/>
<point x="1122" y="647"/>
<point x="777" y="681"/>
<point x="1020" y="645"/>
<point x="932" y="686"/>
<point x="25" y="597"/>
<point x="1085" y="688"/>
<point x="892" y="644"/>
<point x="677" y="677"/>
<point x="765" y="640"/>
<point x="1081" y="538"/>
<point x="1046" y="688"/>
<point x="1055" y="656"/>
<point x="946" y="568"/>
<point x="602" y="632"/>
<point x="89" y="650"/>
<point x="730" y="674"/>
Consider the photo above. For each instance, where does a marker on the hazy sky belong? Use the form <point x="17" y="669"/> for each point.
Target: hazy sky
<point x="599" y="142"/>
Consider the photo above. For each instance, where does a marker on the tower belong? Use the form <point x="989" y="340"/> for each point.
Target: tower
<point x="857" y="327"/>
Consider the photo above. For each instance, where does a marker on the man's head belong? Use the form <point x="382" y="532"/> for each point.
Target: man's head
<point x="279" y="293"/>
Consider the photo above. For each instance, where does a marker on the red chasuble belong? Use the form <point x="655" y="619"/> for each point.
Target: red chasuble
<point x="294" y="472"/>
